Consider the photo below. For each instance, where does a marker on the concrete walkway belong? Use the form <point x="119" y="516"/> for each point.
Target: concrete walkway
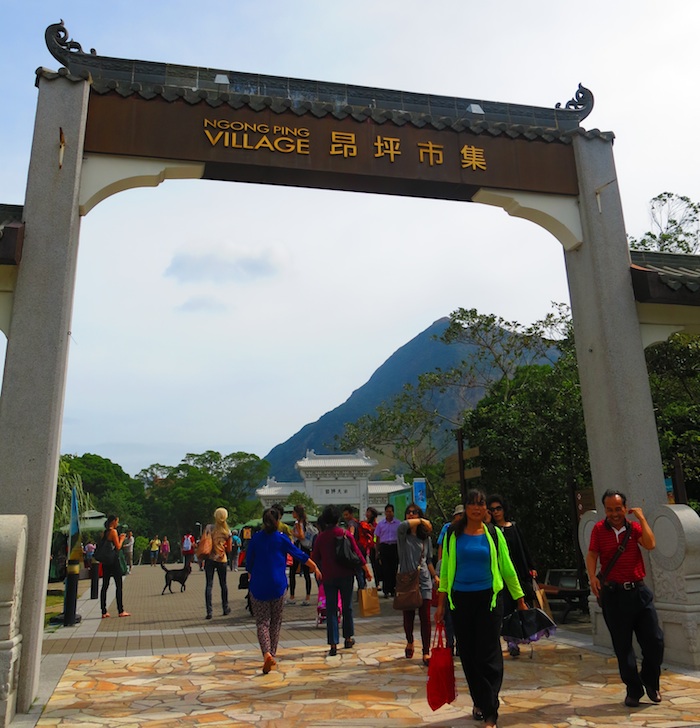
<point x="165" y="665"/>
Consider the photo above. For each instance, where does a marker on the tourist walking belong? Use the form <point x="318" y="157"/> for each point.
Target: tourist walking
<point x="519" y="555"/>
<point x="475" y="565"/>
<point x="266" y="561"/>
<point x="304" y="534"/>
<point x="627" y="602"/>
<point x="164" y="550"/>
<point x="154" y="548"/>
<point x="128" y="549"/>
<point x="337" y="578"/>
<point x="386" y="540"/>
<point x="112" y="570"/>
<point x="416" y="554"/>
<point x="217" y="559"/>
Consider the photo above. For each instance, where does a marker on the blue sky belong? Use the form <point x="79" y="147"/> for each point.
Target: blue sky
<point x="226" y="316"/>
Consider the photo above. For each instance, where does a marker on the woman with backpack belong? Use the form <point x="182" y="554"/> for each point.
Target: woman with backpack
<point x="475" y="565"/>
<point x="304" y="534"/>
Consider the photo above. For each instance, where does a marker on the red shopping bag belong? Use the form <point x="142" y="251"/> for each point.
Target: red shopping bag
<point x="441" y="672"/>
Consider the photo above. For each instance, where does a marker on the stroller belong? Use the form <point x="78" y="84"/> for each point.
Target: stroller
<point x="321" y="612"/>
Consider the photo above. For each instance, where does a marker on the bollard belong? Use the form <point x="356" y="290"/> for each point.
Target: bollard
<point x="94" y="579"/>
<point x="71" y="597"/>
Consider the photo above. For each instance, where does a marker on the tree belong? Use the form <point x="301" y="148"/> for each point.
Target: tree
<point x="113" y="491"/>
<point x="675" y="225"/>
<point x="413" y="427"/>
<point x="67" y="480"/>
<point x="298" y="497"/>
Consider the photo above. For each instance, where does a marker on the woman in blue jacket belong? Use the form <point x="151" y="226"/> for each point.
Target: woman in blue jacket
<point x="266" y="562"/>
<point x="475" y="566"/>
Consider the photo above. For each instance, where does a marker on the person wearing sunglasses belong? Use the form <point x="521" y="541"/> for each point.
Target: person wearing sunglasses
<point x="416" y="553"/>
<point x="520" y="556"/>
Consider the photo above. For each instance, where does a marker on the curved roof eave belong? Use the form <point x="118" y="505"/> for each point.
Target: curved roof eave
<point x="217" y="87"/>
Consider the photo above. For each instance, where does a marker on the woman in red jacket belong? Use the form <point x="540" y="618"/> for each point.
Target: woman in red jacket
<point x="337" y="578"/>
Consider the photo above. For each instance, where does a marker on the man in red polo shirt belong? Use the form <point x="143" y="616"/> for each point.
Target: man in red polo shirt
<point x="627" y="603"/>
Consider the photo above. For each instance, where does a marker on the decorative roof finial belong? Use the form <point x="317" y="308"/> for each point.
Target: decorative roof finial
<point x="582" y="101"/>
<point x="59" y="45"/>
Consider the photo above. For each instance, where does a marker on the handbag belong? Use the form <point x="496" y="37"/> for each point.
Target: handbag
<point x="204" y="546"/>
<point x="541" y="599"/>
<point x="603" y="575"/>
<point x="345" y="554"/>
<point x="105" y="553"/>
<point x="369" y="602"/>
<point x="408" y="594"/>
<point x="441" y="687"/>
<point x="122" y="562"/>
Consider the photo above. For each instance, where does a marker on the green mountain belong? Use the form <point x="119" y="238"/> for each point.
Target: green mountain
<point x="422" y="354"/>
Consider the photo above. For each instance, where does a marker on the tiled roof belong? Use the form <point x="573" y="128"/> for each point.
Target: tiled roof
<point x="214" y="87"/>
<point x="312" y="461"/>
<point x="666" y="278"/>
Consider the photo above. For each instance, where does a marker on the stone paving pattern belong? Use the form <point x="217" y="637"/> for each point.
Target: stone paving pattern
<point x="165" y="665"/>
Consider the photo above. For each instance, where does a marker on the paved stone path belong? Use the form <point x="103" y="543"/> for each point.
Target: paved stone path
<point x="167" y="666"/>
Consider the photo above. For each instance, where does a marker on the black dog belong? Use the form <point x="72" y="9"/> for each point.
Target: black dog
<point x="179" y="575"/>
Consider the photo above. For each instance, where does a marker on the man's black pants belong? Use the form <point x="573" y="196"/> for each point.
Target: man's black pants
<point x="389" y="554"/>
<point x="628" y="612"/>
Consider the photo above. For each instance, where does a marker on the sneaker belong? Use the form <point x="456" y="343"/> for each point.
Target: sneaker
<point x="349" y="643"/>
<point x="333" y="651"/>
<point x="291" y="601"/>
<point x="208" y="616"/>
<point x="227" y="611"/>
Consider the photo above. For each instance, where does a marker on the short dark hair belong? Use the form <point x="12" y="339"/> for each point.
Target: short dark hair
<point x="330" y="516"/>
<point x="611" y="493"/>
<point x="349" y="509"/>
<point x="389" y="505"/>
<point x="475" y="497"/>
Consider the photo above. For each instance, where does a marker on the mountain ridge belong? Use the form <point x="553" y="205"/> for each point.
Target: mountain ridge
<point x="424" y="353"/>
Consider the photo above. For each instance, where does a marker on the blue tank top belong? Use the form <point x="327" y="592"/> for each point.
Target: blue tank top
<point x="473" y="564"/>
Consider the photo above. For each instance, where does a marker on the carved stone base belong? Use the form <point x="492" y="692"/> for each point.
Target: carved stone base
<point x="13" y="549"/>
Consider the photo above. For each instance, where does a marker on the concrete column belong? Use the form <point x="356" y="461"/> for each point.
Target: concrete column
<point x="620" y="424"/>
<point x="31" y="405"/>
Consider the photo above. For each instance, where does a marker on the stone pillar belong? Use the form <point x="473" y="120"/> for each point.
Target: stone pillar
<point x="620" y="425"/>
<point x="13" y="550"/>
<point x="31" y="406"/>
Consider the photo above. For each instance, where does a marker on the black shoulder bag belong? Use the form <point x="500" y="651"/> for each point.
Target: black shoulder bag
<point x="603" y="575"/>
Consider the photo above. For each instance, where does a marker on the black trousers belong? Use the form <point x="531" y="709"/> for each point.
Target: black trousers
<point x="112" y="571"/>
<point x="389" y="555"/>
<point x="633" y="612"/>
<point x="477" y="629"/>
<point x="220" y="568"/>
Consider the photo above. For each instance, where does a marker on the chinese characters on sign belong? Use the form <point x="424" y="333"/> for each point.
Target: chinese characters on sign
<point x="336" y="491"/>
<point x="297" y="140"/>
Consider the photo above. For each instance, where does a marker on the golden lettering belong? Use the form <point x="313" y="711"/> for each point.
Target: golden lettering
<point x="214" y="140"/>
<point x="473" y="158"/>
<point x="264" y="142"/>
<point x="430" y="152"/>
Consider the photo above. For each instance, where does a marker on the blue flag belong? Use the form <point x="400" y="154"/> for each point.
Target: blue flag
<point x="75" y="547"/>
